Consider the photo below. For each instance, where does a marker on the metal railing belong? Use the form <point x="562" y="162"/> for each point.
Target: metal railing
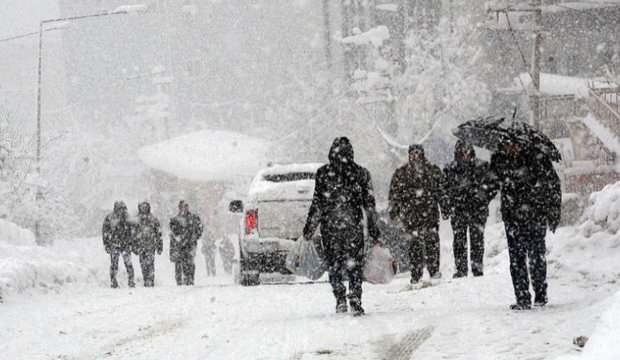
<point x="605" y="105"/>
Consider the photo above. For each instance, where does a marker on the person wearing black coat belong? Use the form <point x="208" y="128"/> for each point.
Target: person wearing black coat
<point x="343" y="192"/>
<point x="186" y="228"/>
<point x="117" y="234"/>
<point x="148" y="241"/>
<point x="469" y="189"/>
<point x="531" y="199"/>
<point x="415" y="199"/>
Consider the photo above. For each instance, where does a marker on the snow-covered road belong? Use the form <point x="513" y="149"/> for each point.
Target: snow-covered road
<point x="461" y="319"/>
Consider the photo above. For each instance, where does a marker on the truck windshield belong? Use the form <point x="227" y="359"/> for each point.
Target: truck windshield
<point x="292" y="176"/>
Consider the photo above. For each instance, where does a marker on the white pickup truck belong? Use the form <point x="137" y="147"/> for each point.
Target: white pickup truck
<point x="274" y="214"/>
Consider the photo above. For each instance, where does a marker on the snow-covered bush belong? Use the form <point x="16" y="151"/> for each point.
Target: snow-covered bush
<point x="20" y="185"/>
<point x="603" y="212"/>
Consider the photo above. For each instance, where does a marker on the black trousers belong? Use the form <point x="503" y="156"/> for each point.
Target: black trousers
<point x="115" y="254"/>
<point x="424" y="251"/>
<point x="345" y="259"/>
<point x="184" y="267"/>
<point x="352" y="268"/>
<point x="460" y="225"/>
<point x="147" y="264"/>
<point x="526" y="248"/>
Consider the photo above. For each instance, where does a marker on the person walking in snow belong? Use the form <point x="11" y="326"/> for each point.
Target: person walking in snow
<point x="186" y="229"/>
<point x="208" y="251"/>
<point x="343" y="192"/>
<point x="117" y="241"/>
<point x="148" y="241"/>
<point x="227" y="254"/>
<point x="531" y="200"/>
<point x="416" y="190"/>
<point x="469" y="189"/>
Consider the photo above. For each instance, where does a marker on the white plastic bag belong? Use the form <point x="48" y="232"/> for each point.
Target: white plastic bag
<point x="304" y="260"/>
<point x="380" y="267"/>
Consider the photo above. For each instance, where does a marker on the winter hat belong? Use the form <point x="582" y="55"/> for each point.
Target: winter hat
<point x="416" y="148"/>
<point x="144" y="207"/>
<point x="463" y="147"/>
<point x="119" y="206"/>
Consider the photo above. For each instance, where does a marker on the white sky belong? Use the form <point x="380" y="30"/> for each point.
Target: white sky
<point x="22" y="16"/>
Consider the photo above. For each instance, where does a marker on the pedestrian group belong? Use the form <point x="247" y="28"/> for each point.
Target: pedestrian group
<point x="419" y="193"/>
<point x="344" y="201"/>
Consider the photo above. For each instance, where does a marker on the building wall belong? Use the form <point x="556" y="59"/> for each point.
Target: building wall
<point x="576" y="43"/>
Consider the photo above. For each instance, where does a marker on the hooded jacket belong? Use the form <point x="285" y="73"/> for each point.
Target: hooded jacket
<point x="469" y="187"/>
<point x="148" y="231"/>
<point x="530" y="187"/>
<point x="416" y="191"/>
<point x="343" y="191"/>
<point x="116" y="230"/>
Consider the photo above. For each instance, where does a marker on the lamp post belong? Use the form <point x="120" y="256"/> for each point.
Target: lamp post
<point x="121" y="10"/>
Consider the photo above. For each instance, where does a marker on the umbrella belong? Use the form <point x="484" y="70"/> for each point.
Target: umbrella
<point x="483" y="132"/>
<point x="488" y="133"/>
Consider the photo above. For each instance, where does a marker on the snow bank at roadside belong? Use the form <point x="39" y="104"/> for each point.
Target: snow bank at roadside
<point x="24" y="265"/>
<point x="603" y="212"/>
<point x="603" y="344"/>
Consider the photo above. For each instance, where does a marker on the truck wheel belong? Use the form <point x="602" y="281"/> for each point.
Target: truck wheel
<point x="247" y="276"/>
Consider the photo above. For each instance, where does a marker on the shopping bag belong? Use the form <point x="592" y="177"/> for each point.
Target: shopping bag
<point x="380" y="266"/>
<point x="304" y="260"/>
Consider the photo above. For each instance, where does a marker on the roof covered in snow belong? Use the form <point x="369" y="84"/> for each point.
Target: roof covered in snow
<point x="552" y="84"/>
<point x="208" y="155"/>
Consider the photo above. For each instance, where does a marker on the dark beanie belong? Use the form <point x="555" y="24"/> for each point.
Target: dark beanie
<point x="416" y="147"/>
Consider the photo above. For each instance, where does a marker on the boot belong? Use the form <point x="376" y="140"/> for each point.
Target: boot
<point x="114" y="284"/>
<point x="520" y="307"/>
<point x="356" y="307"/>
<point x="341" y="306"/>
<point x="540" y="301"/>
<point x="458" y="275"/>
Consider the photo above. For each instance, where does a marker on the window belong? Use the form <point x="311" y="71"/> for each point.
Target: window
<point x="293" y="176"/>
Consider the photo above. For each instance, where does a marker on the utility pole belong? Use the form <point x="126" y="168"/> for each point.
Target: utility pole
<point x="535" y="8"/>
<point x="328" y="36"/>
<point x="535" y="71"/>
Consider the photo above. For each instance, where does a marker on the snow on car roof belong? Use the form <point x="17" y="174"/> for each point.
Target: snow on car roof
<point x="208" y="155"/>
<point x="289" y="168"/>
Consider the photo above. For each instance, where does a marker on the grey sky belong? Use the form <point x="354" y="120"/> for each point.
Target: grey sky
<point x="22" y="16"/>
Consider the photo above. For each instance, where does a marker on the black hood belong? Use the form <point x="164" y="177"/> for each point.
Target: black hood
<point x="341" y="153"/>
<point x="463" y="147"/>
<point x="119" y="207"/>
<point x="144" y="208"/>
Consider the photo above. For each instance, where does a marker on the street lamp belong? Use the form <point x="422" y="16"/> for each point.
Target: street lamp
<point x="61" y="23"/>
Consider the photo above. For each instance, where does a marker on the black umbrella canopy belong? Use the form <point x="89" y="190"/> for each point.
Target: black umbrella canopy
<point x="491" y="132"/>
<point x="483" y="132"/>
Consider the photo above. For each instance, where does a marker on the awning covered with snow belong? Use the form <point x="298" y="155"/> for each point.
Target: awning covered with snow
<point x="552" y="84"/>
<point x="208" y="155"/>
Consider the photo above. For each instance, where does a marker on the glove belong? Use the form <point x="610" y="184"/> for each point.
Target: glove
<point x="553" y="227"/>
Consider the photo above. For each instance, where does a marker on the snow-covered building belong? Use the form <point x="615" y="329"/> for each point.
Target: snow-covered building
<point x="580" y="37"/>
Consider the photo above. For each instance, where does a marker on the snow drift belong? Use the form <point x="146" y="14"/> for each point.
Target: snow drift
<point x="24" y="265"/>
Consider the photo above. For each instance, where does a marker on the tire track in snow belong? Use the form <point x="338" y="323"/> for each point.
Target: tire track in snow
<point x="403" y="349"/>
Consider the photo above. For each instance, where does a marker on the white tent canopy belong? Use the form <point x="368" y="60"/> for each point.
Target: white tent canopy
<point x="208" y="155"/>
